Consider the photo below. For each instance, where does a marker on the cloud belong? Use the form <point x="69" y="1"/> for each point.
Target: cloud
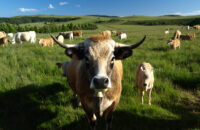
<point x="197" y="12"/>
<point x="78" y="6"/>
<point x="27" y="10"/>
<point x="51" y="6"/>
<point x="63" y="3"/>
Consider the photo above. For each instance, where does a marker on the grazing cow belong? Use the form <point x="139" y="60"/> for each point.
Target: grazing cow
<point x="10" y="35"/>
<point x="63" y="66"/>
<point x="2" y="34"/>
<point x="145" y="80"/>
<point x="187" y="27"/>
<point x="174" y="43"/>
<point x="95" y="73"/>
<point x="3" y="41"/>
<point x="185" y="37"/>
<point x="177" y="34"/>
<point x="60" y="38"/>
<point x="24" y="36"/>
<point x="119" y="33"/>
<point x="114" y="32"/>
<point x="106" y="33"/>
<point x="67" y="35"/>
<point x="122" y="36"/>
<point x="78" y="33"/>
<point x="197" y="27"/>
<point x="167" y="31"/>
<point x="192" y="35"/>
<point x="46" y="42"/>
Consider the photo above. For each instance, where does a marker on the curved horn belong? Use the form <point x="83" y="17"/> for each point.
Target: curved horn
<point x="63" y="45"/>
<point x="132" y="46"/>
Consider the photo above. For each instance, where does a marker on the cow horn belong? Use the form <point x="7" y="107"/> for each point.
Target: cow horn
<point x="63" y="45"/>
<point x="132" y="46"/>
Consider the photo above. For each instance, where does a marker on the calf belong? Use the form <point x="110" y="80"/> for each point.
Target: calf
<point x="3" y="41"/>
<point x="174" y="43"/>
<point x="145" y="80"/>
<point x="46" y="42"/>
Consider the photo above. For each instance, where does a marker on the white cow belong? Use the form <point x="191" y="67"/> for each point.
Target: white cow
<point x="167" y="31"/>
<point x="123" y="36"/>
<point x="24" y="36"/>
<point x="187" y="27"/>
<point x="10" y="35"/>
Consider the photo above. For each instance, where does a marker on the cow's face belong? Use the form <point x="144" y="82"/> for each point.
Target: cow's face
<point x="99" y="62"/>
<point x="146" y="76"/>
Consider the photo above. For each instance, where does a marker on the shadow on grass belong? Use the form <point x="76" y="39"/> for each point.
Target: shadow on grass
<point x="128" y="120"/>
<point x="20" y="109"/>
<point x="161" y="49"/>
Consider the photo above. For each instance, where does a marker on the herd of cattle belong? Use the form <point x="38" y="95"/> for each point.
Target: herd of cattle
<point x="95" y="71"/>
<point x="30" y="36"/>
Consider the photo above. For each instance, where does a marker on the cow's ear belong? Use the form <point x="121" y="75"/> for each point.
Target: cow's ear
<point x="78" y="52"/>
<point x="122" y="53"/>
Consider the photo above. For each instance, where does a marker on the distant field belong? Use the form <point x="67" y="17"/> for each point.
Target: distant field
<point x="34" y="95"/>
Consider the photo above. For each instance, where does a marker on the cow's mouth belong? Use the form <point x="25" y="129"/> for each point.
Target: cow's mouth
<point x="99" y="92"/>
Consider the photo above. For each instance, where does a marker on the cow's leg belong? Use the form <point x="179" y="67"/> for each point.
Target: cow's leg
<point x="109" y="115"/>
<point x="91" y="117"/>
<point x="142" y="95"/>
<point x="149" y="96"/>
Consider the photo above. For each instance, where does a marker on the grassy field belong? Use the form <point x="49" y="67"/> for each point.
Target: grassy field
<point x="34" y="95"/>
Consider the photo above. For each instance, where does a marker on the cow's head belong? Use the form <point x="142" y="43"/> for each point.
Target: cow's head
<point x="146" y="77"/>
<point x="98" y="54"/>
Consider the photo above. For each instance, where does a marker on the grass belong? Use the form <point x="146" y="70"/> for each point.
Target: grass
<point x="34" y="95"/>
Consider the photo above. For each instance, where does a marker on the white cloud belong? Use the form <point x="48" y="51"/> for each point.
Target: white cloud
<point x="63" y="3"/>
<point x="51" y="6"/>
<point x="78" y="6"/>
<point x="27" y="10"/>
<point x="197" y="12"/>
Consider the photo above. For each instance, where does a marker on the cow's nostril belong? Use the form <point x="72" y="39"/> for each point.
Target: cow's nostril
<point x="106" y="81"/>
<point x="145" y="84"/>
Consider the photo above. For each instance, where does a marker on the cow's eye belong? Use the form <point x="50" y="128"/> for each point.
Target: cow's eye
<point x="112" y="62"/>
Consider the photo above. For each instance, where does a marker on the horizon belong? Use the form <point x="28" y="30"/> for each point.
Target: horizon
<point x="90" y="7"/>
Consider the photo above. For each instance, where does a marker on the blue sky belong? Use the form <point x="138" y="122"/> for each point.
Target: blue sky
<point x="11" y="8"/>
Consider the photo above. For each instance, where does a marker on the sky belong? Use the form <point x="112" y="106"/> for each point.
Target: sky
<point x="11" y="8"/>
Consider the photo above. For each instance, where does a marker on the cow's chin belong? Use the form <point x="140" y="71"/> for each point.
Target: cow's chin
<point x="99" y="92"/>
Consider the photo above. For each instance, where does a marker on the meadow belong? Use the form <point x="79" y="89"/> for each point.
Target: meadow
<point x="34" y="95"/>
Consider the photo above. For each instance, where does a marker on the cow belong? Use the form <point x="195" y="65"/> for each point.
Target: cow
<point x="119" y="33"/>
<point x="122" y="36"/>
<point x="46" y="42"/>
<point x="24" y="36"/>
<point x="10" y="35"/>
<point x="197" y="27"/>
<point x="67" y="35"/>
<point x="185" y="37"/>
<point x="145" y="80"/>
<point x="106" y="33"/>
<point x="78" y="33"/>
<point x="177" y="34"/>
<point x="2" y="34"/>
<point x="60" y="38"/>
<point x="192" y="35"/>
<point x="187" y="27"/>
<point x="95" y="73"/>
<point x="174" y="43"/>
<point x="3" y="41"/>
<point x="114" y="32"/>
<point x="167" y="31"/>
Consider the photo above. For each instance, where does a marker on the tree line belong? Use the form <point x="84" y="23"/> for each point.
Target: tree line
<point x="191" y="22"/>
<point x="26" y="19"/>
<point x="46" y="28"/>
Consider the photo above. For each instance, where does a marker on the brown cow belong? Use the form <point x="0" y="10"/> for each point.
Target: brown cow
<point x="78" y="33"/>
<point x="192" y="35"/>
<point x="197" y="27"/>
<point x="174" y="43"/>
<point x="114" y="32"/>
<point x="95" y="73"/>
<point x="106" y="33"/>
<point x="185" y="37"/>
<point x="46" y="42"/>
<point x="3" y="41"/>
<point x="2" y="34"/>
